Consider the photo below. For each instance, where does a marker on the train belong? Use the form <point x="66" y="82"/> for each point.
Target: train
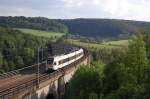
<point x="56" y="62"/>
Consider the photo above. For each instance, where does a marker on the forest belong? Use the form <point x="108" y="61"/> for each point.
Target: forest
<point x="39" y="23"/>
<point x="17" y="49"/>
<point x="119" y="74"/>
<point x="105" y="28"/>
<point x="95" y="28"/>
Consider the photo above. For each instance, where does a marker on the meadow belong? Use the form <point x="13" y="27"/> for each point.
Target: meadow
<point x="91" y="45"/>
<point x="109" y="44"/>
<point x="41" y="33"/>
<point x="117" y="43"/>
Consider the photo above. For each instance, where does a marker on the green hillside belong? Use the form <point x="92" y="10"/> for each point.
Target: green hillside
<point x="105" y="28"/>
<point x="97" y="28"/>
<point x="41" y="33"/>
<point x="39" y="23"/>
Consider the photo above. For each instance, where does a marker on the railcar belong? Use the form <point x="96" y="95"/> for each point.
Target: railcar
<point x="57" y="62"/>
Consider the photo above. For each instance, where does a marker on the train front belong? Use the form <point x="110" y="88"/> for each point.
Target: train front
<point x="50" y="62"/>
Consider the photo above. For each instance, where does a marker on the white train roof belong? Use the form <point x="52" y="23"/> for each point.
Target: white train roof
<point x="63" y="56"/>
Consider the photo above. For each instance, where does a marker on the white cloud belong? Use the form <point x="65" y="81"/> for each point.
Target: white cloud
<point x="126" y="9"/>
<point x="123" y="9"/>
<point x="74" y="3"/>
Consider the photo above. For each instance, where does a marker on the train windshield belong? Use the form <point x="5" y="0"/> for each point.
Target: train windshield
<point x="50" y="61"/>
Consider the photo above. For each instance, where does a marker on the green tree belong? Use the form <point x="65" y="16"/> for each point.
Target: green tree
<point x="28" y="55"/>
<point x="18" y="48"/>
<point x="11" y="65"/>
<point x="1" y="59"/>
<point x="112" y="77"/>
<point x="136" y="64"/>
<point x="5" y="66"/>
<point x="86" y="80"/>
<point x="93" y="96"/>
<point x="19" y="61"/>
<point x="147" y="43"/>
<point x="136" y="60"/>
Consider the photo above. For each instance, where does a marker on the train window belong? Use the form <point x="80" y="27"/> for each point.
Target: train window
<point x="54" y="63"/>
<point x="60" y="62"/>
<point x="50" y="61"/>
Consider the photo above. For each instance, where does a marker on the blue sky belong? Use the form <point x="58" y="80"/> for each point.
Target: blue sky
<point x="68" y="9"/>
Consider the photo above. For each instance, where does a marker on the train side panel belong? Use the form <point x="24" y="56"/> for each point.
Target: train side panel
<point x="67" y="59"/>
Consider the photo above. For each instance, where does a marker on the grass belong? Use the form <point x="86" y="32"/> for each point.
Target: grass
<point x="55" y="35"/>
<point x="110" y="44"/>
<point x="117" y="43"/>
<point x="41" y="33"/>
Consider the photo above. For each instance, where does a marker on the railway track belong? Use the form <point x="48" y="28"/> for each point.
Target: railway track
<point x="9" y="87"/>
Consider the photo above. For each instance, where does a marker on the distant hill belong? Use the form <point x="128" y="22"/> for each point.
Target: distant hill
<point x="39" y="23"/>
<point x="105" y="27"/>
<point x="100" y="28"/>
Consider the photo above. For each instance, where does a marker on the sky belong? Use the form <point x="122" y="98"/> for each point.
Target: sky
<point x="69" y="9"/>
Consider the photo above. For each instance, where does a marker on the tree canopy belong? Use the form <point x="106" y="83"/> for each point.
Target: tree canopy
<point x="126" y="76"/>
<point x="18" y="49"/>
<point x="39" y="23"/>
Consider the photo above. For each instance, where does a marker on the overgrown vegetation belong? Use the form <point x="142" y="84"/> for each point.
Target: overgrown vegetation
<point x="126" y="75"/>
<point x="18" y="49"/>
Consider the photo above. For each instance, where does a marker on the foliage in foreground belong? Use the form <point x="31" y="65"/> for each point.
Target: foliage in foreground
<point x="79" y="89"/>
<point x="125" y="77"/>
